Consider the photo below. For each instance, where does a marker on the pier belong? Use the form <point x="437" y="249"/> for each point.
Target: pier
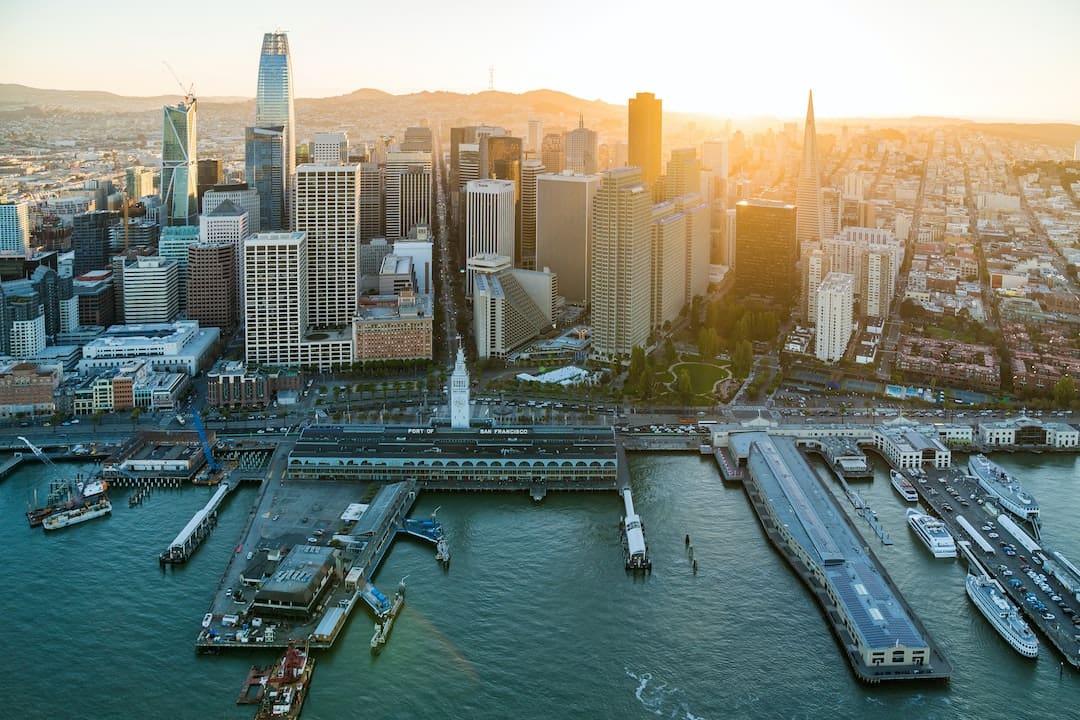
<point x="198" y="527"/>
<point x="954" y="497"/>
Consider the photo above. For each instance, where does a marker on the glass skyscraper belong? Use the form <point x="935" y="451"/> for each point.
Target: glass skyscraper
<point x="264" y="165"/>
<point x="274" y="109"/>
<point x="179" y="172"/>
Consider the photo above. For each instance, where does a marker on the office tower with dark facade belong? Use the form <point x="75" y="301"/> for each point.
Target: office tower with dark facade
<point x="500" y="159"/>
<point x="767" y="251"/>
<point x="264" y="163"/>
<point x="179" y="171"/>
<point x="90" y="240"/>
<point x="210" y="174"/>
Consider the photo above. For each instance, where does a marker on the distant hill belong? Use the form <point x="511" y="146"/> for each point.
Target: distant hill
<point x="16" y="97"/>
<point x="1056" y="134"/>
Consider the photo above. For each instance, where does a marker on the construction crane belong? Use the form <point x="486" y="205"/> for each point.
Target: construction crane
<point x="39" y="453"/>
<point x="189" y="91"/>
<point x="213" y="464"/>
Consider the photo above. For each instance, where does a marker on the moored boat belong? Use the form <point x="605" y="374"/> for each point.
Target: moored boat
<point x="903" y="486"/>
<point x="1004" y="488"/>
<point x="287" y="685"/>
<point x="933" y="534"/>
<point x="74" y="516"/>
<point x="988" y="596"/>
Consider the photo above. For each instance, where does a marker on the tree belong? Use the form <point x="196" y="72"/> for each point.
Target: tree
<point x="136" y="413"/>
<point x="669" y="351"/>
<point x="743" y="359"/>
<point x="1065" y="392"/>
<point x="683" y="386"/>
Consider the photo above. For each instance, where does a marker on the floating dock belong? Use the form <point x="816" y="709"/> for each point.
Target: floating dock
<point x="635" y="550"/>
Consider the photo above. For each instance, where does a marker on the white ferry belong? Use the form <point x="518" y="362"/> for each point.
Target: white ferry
<point x="903" y="486"/>
<point x="933" y="533"/>
<point x="1002" y="614"/>
<point x="64" y="518"/>
<point x="1004" y="488"/>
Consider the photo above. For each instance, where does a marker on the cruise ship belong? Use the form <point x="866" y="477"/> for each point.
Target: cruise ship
<point x="933" y="533"/>
<point x="1004" y="488"/>
<point x="1002" y="614"/>
<point x="903" y="486"/>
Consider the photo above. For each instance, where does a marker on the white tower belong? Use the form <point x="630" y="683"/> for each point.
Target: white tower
<point x="459" y="392"/>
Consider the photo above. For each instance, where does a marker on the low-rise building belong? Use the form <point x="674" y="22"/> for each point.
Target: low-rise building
<point x="1027" y="432"/>
<point x="181" y="346"/>
<point x="28" y="388"/>
<point x="906" y="447"/>
<point x="232" y="384"/>
<point x="393" y="327"/>
<point x="134" y="385"/>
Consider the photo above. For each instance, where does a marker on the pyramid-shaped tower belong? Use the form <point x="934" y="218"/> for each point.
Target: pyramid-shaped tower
<point x="808" y="200"/>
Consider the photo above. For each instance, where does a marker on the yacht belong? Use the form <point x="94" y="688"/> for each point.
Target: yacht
<point x="933" y="533"/>
<point x="903" y="486"/>
<point x="1002" y="614"/>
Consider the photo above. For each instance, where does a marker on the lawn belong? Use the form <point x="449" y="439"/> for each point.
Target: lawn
<point x="703" y="376"/>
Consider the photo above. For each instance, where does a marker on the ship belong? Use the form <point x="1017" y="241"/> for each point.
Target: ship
<point x="287" y="684"/>
<point x="903" y="486"/>
<point x="1002" y="614"/>
<point x="88" y="511"/>
<point x="933" y="534"/>
<point x="65" y="494"/>
<point x="382" y="629"/>
<point x="1004" y="488"/>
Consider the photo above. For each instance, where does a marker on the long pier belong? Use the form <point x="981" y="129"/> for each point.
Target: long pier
<point x="200" y="525"/>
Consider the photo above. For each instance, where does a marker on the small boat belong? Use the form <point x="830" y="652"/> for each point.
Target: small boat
<point x="207" y="619"/>
<point x="903" y="486"/>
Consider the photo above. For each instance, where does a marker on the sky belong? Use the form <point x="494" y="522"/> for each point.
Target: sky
<point x="977" y="59"/>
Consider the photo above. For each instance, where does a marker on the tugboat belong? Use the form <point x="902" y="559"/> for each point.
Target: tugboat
<point x="287" y="684"/>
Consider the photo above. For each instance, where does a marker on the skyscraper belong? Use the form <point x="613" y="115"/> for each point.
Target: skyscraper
<point x="667" y="264"/>
<point x="564" y="231"/>
<point x="212" y="294"/>
<point x="328" y="212"/>
<point x="766" y="250"/>
<point x="330" y="148"/>
<point x="179" y="169"/>
<point x="264" y="164"/>
<point x="14" y="226"/>
<point x="90" y="240"/>
<point x="552" y="152"/>
<point x="581" y="149"/>
<point x="500" y="159"/>
<point x="619" y="289"/>
<point x="274" y="104"/>
<point x="489" y="220"/>
<point x="646" y="118"/>
<point x="151" y="290"/>
<point x="276" y="289"/>
<point x="535" y="136"/>
<point x="530" y="170"/>
<point x="811" y="220"/>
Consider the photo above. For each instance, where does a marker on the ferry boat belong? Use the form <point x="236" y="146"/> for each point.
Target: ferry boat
<point x="903" y="486"/>
<point x="63" y="495"/>
<point x="89" y="511"/>
<point x="1004" y="488"/>
<point x="933" y="534"/>
<point x="1002" y="614"/>
<point x="287" y="684"/>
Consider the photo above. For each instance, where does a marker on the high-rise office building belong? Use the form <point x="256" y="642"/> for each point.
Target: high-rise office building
<point x="211" y="291"/>
<point x="265" y="169"/>
<point x="835" y="298"/>
<point x="564" y="206"/>
<point x="90" y="240"/>
<point x="811" y="219"/>
<point x="714" y="159"/>
<point x="330" y="149"/>
<point x="500" y="159"/>
<point x="580" y="144"/>
<point x="534" y="137"/>
<point x="179" y="170"/>
<point x="698" y="234"/>
<point x="553" y="152"/>
<point x="530" y="170"/>
<point x="619" y="289"/>
<point x="242" y="196"/>
<point x="151" y="290"/>
<point x="139" y="182"/>
<point x="225" y="225"/>
<point x="275" y="307"/>
<point x="461" y="136"/>
<point x="23" y="324"/>
<point x="274" y="107"/>
<point x="371" y="202"/>
<point x="766" y="251"/>
<point x="408" y="192"/>
<point x="877" y="288"/>
<point x="14" y="226"/>
<point x="417" y="139"/>
<point x="683" y="173"/>
<point x="210" y="174"/>
<point x="328" y="213"/>
<point x="510" y="306"/>
<point x="489" y="219"/>
<point x="645" y="133"/>
<point x="667" y="264"/>
<point x="174" y="244"/>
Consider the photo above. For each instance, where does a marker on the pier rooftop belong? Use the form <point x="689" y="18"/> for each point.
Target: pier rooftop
<point x="881" y="635"/>
<point x="462" y="458"/>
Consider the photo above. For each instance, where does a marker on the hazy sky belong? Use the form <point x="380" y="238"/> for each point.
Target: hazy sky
<point x="972" y="58"/>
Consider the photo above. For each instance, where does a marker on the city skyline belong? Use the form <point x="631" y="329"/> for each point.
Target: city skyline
<point x="867" y="59"/>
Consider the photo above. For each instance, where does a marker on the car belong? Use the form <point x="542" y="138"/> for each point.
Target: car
<point x="1055" y="598"/>
<point x="994" y="536"/>
<point x="1048" y="616"/>
<point x="344" y="602"/>
<point x="228" y="592"/>
<point x="1007" y="572"/>
<point x="1014" y="582"/>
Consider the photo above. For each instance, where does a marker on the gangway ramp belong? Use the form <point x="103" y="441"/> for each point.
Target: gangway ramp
<point x="197" y="528"/>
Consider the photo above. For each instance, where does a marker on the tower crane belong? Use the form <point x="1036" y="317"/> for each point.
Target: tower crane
<point x="39" y="453"/>
<point x="189" y="91"/>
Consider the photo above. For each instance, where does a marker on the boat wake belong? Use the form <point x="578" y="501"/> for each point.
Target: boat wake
<point x="661" y="700"/>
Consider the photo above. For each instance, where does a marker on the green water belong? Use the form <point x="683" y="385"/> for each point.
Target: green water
<point x="534" y="619"/>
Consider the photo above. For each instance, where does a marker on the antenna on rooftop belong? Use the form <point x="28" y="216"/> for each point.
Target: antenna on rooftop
<point x="491" y="77"/>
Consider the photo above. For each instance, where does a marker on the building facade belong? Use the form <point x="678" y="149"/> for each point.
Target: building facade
<point x="274" y="109"/>
<point x="766" y="250"/>
<point x="179" y="168"/>
<point x="645" y="133"/>
<point x="835" y="300"/>
<point x="151" y="290"/>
